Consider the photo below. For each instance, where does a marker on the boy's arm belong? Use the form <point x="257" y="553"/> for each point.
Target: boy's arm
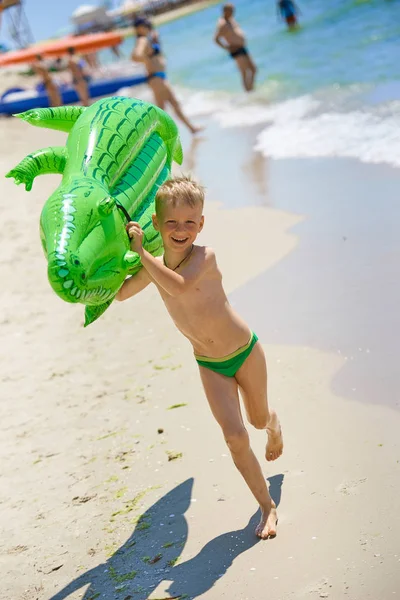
<point x="133" y="285"/>
<point x="139" y="51"/>
<point x="173" y="283"/>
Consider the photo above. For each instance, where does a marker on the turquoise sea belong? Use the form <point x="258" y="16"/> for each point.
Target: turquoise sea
<point x="332" y="88"/>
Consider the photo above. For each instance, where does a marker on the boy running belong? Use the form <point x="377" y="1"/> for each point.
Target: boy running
<point x="229" y="356"/>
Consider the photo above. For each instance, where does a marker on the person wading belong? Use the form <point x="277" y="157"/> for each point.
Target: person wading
<point x="230" y="37"/>
<point x="148" y="52"/>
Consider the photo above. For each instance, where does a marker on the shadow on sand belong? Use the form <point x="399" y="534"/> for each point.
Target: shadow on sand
<point x="129" y="572"/>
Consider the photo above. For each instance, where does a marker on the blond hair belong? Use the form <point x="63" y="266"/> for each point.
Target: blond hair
<point x="180" y="190"/>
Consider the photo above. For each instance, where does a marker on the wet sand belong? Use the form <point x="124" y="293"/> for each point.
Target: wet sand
<point x="339" y="292"/>
<point x="92" y="494"/>
<point x="344" y="273"/>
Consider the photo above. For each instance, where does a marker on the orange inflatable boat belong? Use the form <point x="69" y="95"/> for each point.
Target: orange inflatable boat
<point x="83" y="44"/>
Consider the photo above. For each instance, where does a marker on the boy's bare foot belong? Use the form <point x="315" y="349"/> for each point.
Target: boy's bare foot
<point x="267" y="525"/>
<point x="275" y="442"/>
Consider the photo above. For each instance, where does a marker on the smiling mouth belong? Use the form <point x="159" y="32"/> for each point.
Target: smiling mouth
<point x="179" y="241"/>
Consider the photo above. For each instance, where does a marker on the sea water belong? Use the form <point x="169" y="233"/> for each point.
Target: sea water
<point x="331" y="88"/>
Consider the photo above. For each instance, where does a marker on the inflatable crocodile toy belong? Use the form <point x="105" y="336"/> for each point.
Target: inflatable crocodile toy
<point x="119" y="151"/>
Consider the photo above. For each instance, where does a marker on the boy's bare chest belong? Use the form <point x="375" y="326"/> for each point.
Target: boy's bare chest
<point x="201" y="300"/>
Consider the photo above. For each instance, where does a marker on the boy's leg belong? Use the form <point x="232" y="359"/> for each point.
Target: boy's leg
<point x="222" y="395"/>
<point x="252" y="381"/>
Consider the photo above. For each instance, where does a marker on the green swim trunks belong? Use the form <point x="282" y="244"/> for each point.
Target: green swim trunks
<point x="228" y="365"/>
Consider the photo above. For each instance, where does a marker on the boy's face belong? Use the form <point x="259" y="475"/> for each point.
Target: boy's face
<point x="179" y="225"/>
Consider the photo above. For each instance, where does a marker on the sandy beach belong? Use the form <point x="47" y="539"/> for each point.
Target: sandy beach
<point x="116" y="482"/>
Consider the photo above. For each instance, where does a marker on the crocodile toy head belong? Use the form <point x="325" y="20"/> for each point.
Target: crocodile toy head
<point x="85" y="248"/>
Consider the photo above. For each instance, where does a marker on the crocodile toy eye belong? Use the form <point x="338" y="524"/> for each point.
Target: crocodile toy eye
<point x="76" y="262"/>
<point x="106" y="206"/>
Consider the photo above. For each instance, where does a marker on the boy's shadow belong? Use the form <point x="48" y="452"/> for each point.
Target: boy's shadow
<point x="163" y="530"/>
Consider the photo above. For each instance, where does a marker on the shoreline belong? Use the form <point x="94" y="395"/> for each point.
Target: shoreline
<point x="343" y="270"/>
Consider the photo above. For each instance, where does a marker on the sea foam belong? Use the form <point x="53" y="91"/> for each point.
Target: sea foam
<point x="326" y="124"/>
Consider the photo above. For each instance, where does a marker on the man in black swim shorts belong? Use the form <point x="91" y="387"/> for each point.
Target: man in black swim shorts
<point x="231" y="38"/>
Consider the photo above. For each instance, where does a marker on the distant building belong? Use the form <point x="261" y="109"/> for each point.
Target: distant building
<point x="89" y="19"/>
<point x="124" y="14"/>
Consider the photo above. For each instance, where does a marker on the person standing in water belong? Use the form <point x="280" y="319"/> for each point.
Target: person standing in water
<point x="231" y="38"/>
<point x="148" y="52"/>
<point x="288" y="11"/>
<point x="80" y="78"/>
<point x="51" y="88"/>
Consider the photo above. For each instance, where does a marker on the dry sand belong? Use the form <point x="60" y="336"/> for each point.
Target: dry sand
<point x="88" y="492"/>
<point x="14" y="78"/>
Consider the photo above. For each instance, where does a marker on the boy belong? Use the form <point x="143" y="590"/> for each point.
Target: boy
<point x="230" y="37"/>
<point x="229" y="356"/>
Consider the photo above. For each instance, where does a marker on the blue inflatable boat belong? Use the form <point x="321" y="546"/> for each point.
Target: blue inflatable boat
<point x="16" y="100"/>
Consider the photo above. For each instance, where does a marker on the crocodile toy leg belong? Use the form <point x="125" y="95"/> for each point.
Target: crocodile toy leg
<point x="46" y="160"/>
<point x="92" y="313"/>
<point x="61" y="118"/>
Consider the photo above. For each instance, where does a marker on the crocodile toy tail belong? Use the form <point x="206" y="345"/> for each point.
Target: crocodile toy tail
<point x="60" y="118"/>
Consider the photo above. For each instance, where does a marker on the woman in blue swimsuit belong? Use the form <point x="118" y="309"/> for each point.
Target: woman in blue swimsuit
<point x="147" y="50"/>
